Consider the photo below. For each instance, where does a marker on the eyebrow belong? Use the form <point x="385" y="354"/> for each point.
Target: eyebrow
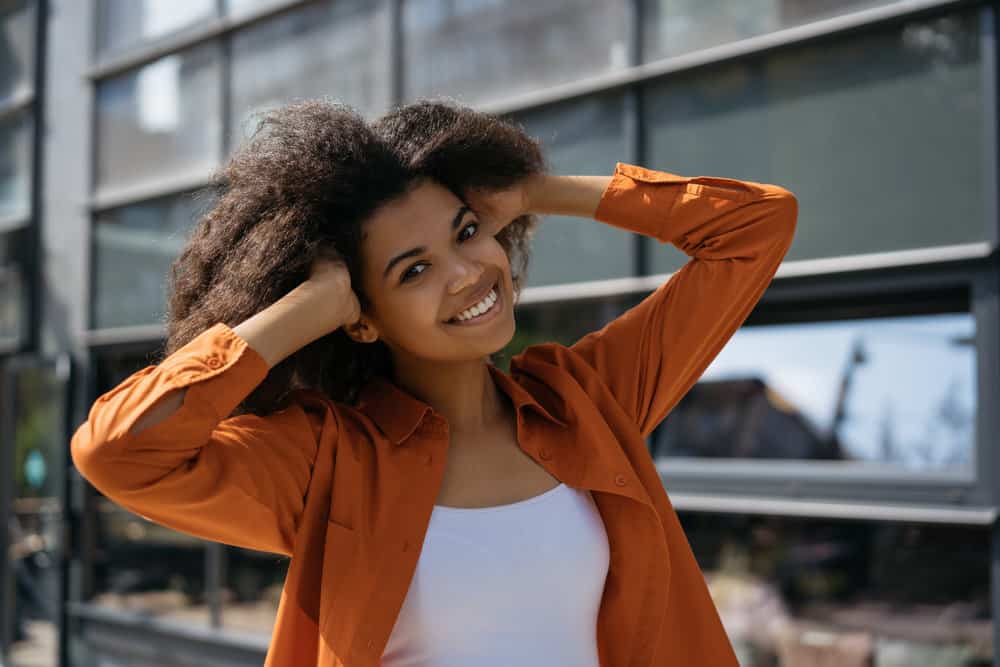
<point x="456" y="221"/>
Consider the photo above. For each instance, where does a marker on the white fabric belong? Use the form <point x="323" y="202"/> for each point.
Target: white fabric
<point x="516" y="584"/>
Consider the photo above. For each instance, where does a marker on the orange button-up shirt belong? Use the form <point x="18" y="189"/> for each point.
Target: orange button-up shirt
<point x="347" y="491"/>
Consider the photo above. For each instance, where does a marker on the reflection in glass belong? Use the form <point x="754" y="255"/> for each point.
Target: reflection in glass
<point x="879" y="135"/>
<point x="799" y="592"/>
<point x="483" y="50"/>
<point x="17" y="49"/>
<point x="13" y="291"/>
<point x="161" y="120"/>
<point x="35" y="526"/>
<point x="15" y="167"/>
<point x="586" y="138"/>
<point x="253" y="584"/>
<point x="138" y="566"/>
<point x="839" y="391"/>
<point x="673" y="27"/>
<point x="134" y="247"/>
<point x="125" y="23"/>
<point x="322" y="50"/>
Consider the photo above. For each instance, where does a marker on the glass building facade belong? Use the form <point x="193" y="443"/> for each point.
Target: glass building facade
<point x="863" y="531"/>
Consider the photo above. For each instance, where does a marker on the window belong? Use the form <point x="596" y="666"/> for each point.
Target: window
<point x="134" y="247"/>
<point x="894" y="164"/>
<point x="140" y="566"/>
<point x="15" y="170"/>
<point x="13" y="290"/>
<point x="843" y="393"/>
<point x="481" y="50"/>
<point x="322" y="50"/>
<point x="123" y="24"/>
<point x="810" y="592"/>
<point x="163" y="120"/>
<point x="673" y="27"/>
<point x="587" y="138"/>
<point x="17" y="54"/>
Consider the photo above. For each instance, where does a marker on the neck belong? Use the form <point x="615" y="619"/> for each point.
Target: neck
<point x="464" y="393"/>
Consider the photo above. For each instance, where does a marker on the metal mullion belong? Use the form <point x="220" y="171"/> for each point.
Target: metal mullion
<point x="396" y="55"/>
<point x="995" y="589"/>
<point x="812" y="31"/>
<point x="986" y="310"/>
<point x="990" y="87"/>
<point x="828" y="509"/>
<point x="215" y="553"/>
<point x="632" y="123"/>
<point x="182" y="41"/>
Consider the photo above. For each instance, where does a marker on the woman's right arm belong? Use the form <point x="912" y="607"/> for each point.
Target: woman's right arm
<point x="160" y="444"/>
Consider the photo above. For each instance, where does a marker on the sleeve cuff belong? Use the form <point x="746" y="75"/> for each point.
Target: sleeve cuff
<point x="218" y="367"/>
<point x="639" y="200"/>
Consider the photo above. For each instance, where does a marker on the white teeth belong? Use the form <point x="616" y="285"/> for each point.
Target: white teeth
<point x="479" y="308"/>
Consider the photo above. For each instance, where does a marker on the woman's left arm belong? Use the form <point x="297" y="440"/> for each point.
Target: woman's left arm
<point x="736" y="233"/>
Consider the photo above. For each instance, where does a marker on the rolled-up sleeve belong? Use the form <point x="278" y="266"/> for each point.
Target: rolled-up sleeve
<point x="239" y="480"/>
<point x="736" y="234"/>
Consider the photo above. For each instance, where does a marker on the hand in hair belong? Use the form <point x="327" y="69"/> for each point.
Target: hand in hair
<point x="498" y="208"/>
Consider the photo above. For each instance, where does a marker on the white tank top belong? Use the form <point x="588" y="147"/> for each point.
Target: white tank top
<point x="517" y="584"/>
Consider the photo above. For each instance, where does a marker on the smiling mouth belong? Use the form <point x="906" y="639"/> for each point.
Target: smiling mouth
<point x="472" y="316"/>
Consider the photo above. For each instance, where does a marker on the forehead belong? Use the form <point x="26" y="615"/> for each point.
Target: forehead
<point x="411" y="220"/>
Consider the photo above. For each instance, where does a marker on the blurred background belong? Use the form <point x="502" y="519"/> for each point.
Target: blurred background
<point x="836" y="469"/>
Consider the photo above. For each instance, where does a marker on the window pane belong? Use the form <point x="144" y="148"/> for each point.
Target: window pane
<point x="565" y="322"/>
<point x="15" y="167"/>
<point x="162" y="120"/>
<point x="36" y="524"/>
<point x="672" y="27"/>
<point x="821" y="592"/>
<point x="125" y="23"/>
<point x="253" y="584"/>
<point x="320" y="50"/>
<point x="17" y="57"/>
<point x="492" y="49"/>
<point x="584" y="138"/>
<point x="879" y="136"/>
<point x="134" y="247"/>
<point x="14" y="248"/>
<point x="140" y="567"/>
<point x="846" y="391"/>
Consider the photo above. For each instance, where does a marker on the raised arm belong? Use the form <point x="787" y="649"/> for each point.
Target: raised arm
<point x="162" y="444"/>
<point x="736" y="233"/>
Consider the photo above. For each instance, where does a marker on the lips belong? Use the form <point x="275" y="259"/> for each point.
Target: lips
<point x="479" y="296"/>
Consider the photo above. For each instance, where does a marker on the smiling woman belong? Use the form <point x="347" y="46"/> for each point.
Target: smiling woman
<point x="328" y="393"/>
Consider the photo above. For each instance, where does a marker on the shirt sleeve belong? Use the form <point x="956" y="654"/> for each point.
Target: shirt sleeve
<point x="238" y="480"/>
<point x="736" y="234"/>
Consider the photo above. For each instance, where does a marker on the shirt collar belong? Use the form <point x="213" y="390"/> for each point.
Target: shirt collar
<point x="398" y="413"/>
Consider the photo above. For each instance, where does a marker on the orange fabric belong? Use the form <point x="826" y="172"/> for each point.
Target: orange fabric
<point x="347" y="491"/>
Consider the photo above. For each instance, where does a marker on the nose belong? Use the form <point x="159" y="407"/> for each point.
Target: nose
<point x="467" y="274"/>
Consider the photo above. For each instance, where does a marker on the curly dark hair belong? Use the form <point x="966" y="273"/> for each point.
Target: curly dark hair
<point x="301" y="188"/>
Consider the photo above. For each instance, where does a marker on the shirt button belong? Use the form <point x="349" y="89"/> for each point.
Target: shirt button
<point x="371" y="643"/>
<point x="214" y="362"/>
<point x="544" y="454"/>
<point x="620" y="480"/>
<point x="428" y="459"/>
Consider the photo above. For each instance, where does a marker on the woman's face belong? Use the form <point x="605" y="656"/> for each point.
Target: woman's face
<point x="428" y="265"/>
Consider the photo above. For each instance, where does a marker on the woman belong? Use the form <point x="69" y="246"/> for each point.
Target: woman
<point x="328" y="394"/>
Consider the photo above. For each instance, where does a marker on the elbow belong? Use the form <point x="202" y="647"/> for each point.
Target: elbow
<point x="785" y="208"/>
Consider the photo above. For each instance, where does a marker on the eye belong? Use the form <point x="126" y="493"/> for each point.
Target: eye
<point x="412" y="272"/>
<point x="462" y="236"/>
